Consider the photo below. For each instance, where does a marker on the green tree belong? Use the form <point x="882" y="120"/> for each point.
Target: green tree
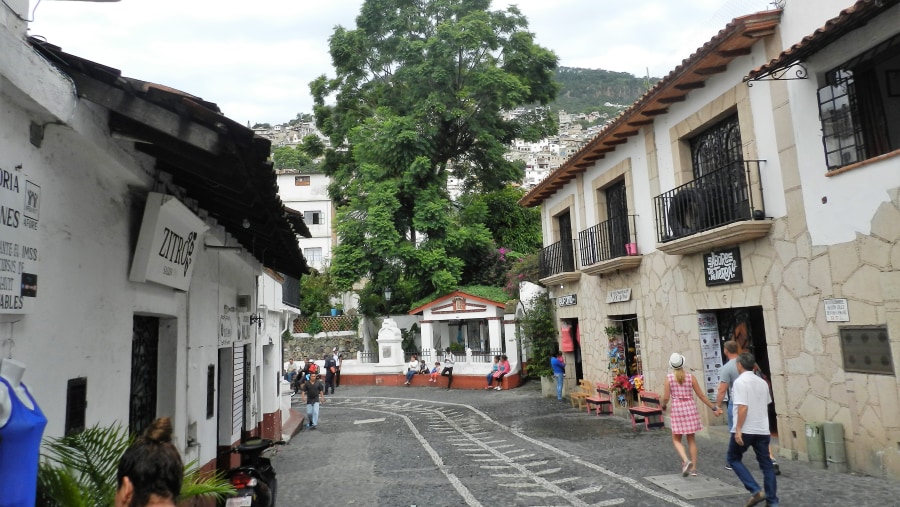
<point x="539" y="336"/>
<point x="419" y="89"/>
<point x="316" y="292"/>
<point x="289" y="157"/>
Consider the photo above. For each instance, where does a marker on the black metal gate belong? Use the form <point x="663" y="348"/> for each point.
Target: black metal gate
<point x="144" y="359"/>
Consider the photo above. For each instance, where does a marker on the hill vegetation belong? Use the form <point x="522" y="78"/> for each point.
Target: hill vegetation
<point x="587" y="90"/>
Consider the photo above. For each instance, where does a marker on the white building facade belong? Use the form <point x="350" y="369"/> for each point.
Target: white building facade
<point x="308" y="194"/>
<point x="135" y="285"/>
<point x="753" y="194"/>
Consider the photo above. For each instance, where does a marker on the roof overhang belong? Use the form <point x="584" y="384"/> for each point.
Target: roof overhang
<point x="849" y="19"/>
<point x="220" y="165"/>
<point x="735" y="40"/>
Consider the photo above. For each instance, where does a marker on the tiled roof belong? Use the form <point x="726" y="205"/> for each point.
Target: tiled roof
<point x="220" y="164"/>
<point x="848" y="20"/>
<point x="736" y="39"/>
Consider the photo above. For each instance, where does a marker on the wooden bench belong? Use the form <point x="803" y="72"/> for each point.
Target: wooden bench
<point x="648" y="409"/>
<point x="577" y="397"/>
<point x="601" y="401"/>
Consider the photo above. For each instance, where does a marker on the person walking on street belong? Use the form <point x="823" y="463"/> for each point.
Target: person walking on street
<point x="314" y="392"/>
<point x="751" y="429"/>
<point x="150" y="472"/>
<point x="448" y="367"/>
<point x="558" y="365"/>
<point x="412" y="368"/>
<point x="338" y="359"/>
<point x="684" y="418"/>
<point x="330" y="370"/>
<point x="727" y="375"/>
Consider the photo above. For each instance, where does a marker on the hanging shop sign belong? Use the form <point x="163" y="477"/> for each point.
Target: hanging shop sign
<point x="567" y="300"/>
<point x="836" y="310"/>
<point x="20" y="206"/>
<point x="618" y="295"/>
<point x="168" y="244"/>
<point x="723" y="267"/>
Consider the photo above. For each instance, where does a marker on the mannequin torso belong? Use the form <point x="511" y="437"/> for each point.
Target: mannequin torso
<point x="12" y="371"/>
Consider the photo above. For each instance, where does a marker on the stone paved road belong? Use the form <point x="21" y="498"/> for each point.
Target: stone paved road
<point x="430" y="447"/>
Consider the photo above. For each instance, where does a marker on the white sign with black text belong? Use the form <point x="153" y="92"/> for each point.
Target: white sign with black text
<point x="567" y="300"/>
<point x="20" y="206"/>
<point x="618" y="295"/>
<point x="836" y="310"/>
<point x="169" y="241"/>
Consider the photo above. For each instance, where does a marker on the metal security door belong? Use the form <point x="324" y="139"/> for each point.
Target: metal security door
<point x="617" y="211"/>
<point x="144" y="367"/>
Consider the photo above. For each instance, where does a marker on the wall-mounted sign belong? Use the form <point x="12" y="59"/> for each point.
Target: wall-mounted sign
<point x="20" y="206"/>
<point x="710" y="350"/>
<point x="836" y="310"/>
<point x="723" y="267"/>
<point x="170" y="237"/>
<point x="618" y="295"/>
<point x="567" y="300"/>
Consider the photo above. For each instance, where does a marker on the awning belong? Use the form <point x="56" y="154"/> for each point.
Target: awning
<point x="222" y="167"/>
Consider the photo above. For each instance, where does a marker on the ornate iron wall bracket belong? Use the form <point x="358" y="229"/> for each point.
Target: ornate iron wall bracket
<point x="796" y="70"/>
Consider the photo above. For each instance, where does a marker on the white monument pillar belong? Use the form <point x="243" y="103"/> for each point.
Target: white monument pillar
<point x="390" y="344"/>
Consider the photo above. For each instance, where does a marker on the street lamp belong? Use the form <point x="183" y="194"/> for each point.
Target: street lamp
<point x="387" y="301"/>
<point x="387" y="293"/>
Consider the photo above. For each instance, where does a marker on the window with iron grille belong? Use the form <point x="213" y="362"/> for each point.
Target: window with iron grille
<point x="858" y="108"/>
<point x="301" y="181"/>
<point x="76" y="405"/>
<point x="866" y="349"/>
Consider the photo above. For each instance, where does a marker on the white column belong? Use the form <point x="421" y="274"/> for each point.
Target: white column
<point x="495" y="333"/>
<point x="427" y="328"/>
<point x="512" y="343"/>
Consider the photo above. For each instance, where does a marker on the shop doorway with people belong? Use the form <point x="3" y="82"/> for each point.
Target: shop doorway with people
<point x="746" y="327"/>
<point x="570" y="343"/>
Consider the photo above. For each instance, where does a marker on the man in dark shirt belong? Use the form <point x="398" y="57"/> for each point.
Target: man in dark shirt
<point x="330" y="370"/>
<point x="313" y="391"/>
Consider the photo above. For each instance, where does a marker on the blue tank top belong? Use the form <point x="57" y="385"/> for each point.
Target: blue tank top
<point x="20" y="444"/>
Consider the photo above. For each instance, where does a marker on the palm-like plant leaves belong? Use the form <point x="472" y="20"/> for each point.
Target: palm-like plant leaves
<point x="79" y="470"/>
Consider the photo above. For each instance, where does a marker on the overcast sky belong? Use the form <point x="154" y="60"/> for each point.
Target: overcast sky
<point x="255" y="59"/>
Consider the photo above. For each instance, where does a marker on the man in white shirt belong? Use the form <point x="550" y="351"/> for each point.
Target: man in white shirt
<point x="751" y="400"/>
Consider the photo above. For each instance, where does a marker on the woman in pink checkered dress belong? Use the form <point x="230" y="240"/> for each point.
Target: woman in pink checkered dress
<point x="684" y="418"/>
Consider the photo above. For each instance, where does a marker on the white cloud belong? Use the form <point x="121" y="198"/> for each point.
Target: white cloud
<point x="256" y="59"/>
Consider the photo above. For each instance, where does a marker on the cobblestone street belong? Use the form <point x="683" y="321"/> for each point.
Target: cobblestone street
<point x="395" y="446"/>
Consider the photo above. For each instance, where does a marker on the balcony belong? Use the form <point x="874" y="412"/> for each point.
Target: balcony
<point x="721" y="208"/>
<point x="557" y="264"/>
<point x="609" y="246"/>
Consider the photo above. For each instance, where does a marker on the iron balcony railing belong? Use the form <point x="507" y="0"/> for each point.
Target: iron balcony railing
<point x="607" y="240"/>
<point x="715" y="199"/>
<point x="557" y="258"/>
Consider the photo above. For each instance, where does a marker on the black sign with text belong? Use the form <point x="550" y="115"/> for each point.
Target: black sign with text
<point x="723" y="267"/>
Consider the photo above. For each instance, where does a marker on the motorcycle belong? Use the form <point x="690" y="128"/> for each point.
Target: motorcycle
<point x="254" y="479"/>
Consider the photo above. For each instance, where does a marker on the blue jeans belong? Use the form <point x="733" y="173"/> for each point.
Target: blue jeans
<point x="760" y="444"/>
<point x="730" y="416"/>
<point x="410" y="374"/>
<point x="312" y="413"/>
<point x="559" y="384"/>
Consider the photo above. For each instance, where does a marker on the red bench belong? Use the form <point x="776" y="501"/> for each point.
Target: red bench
<point x="600" y="402"/>
<point x="649" y="411"/>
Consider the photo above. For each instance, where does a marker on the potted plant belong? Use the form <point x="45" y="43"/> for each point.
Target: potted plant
<point x="539" y="337"/>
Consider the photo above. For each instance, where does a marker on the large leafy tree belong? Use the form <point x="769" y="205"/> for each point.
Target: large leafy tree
<point x="419" y="92"/>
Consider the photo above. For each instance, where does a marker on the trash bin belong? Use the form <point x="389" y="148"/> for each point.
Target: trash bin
<point x="835" y="454"/>
<point x="815" y="444"/>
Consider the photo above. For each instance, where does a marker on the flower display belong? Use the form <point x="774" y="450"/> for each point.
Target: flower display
<point x="637" y="382"/>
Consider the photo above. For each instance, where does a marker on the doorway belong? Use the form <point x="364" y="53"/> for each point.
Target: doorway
<point x="746" y="326"/>
<point x="572" y="335"/>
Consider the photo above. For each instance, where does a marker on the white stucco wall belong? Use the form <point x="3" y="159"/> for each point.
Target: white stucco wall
<point x="92" y="192"/>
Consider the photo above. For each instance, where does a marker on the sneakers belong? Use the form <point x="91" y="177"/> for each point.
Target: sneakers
<point x="488" y="387"/>
<point x="777" y="468"/>
<point x="406" y="383"/>
<point x="313" y="427"/>
<point x="498" y="388"/>
<point x="684" y="468"/>
<point x="755" y="499"/>
<point x="728" y="467"/>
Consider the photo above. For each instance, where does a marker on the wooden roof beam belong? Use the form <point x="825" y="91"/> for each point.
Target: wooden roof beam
<point x="734" y="53"/>
<point x="640" y="123"/>
<point x="673" y="99"/>
<point x="708" y="71"/>
<point x="690" y="86"/>
<point x="655" y="112"/>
